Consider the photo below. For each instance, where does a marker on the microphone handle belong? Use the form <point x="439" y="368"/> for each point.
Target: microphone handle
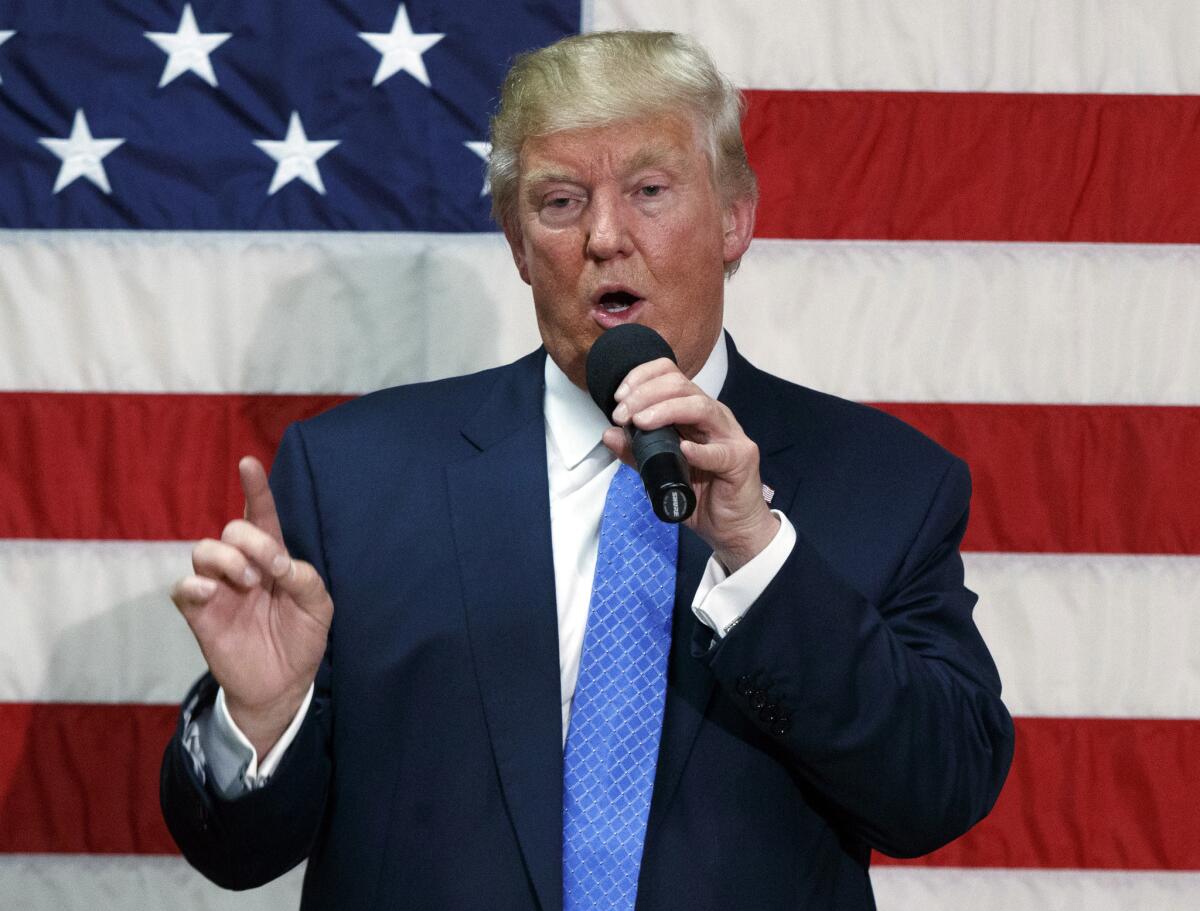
<point x="665" y="473"/>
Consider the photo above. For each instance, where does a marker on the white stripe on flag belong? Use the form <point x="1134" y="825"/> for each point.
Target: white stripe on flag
<point x="66" y="882"/>
<point x="75" y="882"/>
<point x="1091" y="634"/>
<point x="91" y="621"/>
<point x="965" y="322"/>
<point x="950" y="889"/>
<point x="139" y="312"/>
<point x="934" y="45"/>
<point x="119" y="311"/>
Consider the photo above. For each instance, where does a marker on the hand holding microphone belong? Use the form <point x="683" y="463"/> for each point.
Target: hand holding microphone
<point x="656" y="452"/>
<point x="713" y="476"/>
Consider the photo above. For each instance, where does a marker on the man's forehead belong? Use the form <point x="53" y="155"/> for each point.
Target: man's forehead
<point x="624" y="147"/>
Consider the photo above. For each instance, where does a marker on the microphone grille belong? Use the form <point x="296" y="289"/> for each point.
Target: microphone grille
<point x="616" y="352"/>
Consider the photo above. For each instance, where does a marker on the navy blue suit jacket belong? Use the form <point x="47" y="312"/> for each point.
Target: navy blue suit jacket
<point x="854" y="707"/>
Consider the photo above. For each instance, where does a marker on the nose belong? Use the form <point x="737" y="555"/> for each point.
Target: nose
<point x="608" y="234"/>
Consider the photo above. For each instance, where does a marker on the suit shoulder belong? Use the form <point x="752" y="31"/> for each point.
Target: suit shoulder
<point x="891" y="434"/>
<point x="840" y="425"/>
<point x="867" y="483"/>
<point x="425" y="411"/>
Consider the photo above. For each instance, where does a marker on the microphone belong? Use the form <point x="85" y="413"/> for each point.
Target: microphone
<point x="661" y="465"/>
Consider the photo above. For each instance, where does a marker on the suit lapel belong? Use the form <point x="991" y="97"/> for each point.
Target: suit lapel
<point x="500" y="514"/>
<point x="748" y="394"/>
<point x="689" y="684"/>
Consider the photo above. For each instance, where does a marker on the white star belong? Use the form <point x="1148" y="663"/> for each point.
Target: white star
<point x="401" y="49"/>
<point x="4" y="36"/>
<point x="81" y="155"/>
<point x="188" y="49"/>
<point x="297" y="156"/>
<point x="484" y="151"/>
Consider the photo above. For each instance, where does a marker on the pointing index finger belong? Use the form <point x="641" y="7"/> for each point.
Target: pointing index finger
<point x="260" y="504"/>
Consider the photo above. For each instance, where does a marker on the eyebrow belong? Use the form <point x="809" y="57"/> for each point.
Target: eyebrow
<point x="651" y="156"/>
<point x="545" y="175"/>
<point x="654" y="156"/>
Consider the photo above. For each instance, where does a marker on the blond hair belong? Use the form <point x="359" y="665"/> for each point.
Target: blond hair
<point x="600" y="78"/>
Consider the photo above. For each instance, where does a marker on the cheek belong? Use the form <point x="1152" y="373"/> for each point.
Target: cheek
<point x="555" y="256"/>
<point x="692" y="258"/>
<point x="555" y="277"/>
<point x="688" y="236"/>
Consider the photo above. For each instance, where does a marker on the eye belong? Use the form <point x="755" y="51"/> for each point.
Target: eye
<point x="558" y="202"/>
<point x="560" y="207"/>
<point x="651" y="190"/>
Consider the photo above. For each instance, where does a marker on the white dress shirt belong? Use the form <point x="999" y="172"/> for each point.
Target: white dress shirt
<point x="579" y="469"/>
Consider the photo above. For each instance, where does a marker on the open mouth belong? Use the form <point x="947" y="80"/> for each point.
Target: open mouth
<point x="617" y="301"/>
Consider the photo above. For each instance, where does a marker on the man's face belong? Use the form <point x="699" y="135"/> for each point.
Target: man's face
<point x="622" y="224"/>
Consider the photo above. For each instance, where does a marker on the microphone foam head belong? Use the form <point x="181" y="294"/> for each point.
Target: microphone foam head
<point x="616" y="352"/>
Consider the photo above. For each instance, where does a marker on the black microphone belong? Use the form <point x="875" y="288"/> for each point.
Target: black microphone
<point x="661" y="465"/>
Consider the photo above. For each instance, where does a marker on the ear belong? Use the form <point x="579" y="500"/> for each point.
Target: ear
<point x="516" y="245"/>
<point x="738" y="224"/>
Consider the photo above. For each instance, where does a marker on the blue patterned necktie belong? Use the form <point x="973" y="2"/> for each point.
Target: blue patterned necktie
<point x="616" y="719"/>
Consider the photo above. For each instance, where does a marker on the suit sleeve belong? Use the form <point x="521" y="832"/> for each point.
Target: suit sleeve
<point x="891" y="710"/>
<point x="249" y="840"/>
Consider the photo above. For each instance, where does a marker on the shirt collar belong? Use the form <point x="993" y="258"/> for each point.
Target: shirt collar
<point x="576" y="423"/>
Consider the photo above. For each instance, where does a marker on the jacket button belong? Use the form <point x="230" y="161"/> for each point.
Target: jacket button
<point x="744" y="685"/>
<point x="757" y="699"/>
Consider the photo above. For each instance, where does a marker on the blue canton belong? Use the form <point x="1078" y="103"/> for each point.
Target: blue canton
<point x="616" y="720"/>
<point x="219" y="115"/>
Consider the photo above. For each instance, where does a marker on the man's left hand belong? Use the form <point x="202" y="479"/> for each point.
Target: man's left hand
<point x="730" y="512"/>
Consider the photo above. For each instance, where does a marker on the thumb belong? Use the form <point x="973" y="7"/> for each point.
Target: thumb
<point x="617" y="440"/>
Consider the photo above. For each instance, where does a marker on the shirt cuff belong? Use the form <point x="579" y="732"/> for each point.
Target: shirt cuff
<point x="230" y="759"/>
<point x="722" y="599"/>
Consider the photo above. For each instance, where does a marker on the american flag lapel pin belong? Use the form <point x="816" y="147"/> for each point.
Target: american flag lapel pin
<point x="768" y="494"/>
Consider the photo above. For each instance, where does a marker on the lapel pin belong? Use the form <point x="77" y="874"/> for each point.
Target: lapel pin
<point x="768" y="494"/>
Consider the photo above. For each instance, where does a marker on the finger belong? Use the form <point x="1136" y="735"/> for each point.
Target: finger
<point x="722" y="457"/>
<point x="263" y="550"/>
<point x="221" y="560"/>
<point x="307" y="589"/>
<point x="668" y="385"/>
<point x="643" y="372"/>
<point x="617" y="441"/>
<point x="704" y="416"/>
<point x="192" y="592"/>
<point x="260" y="503"/>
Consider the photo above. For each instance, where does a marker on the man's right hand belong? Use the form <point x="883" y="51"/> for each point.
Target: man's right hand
<point x="261" y="618"/>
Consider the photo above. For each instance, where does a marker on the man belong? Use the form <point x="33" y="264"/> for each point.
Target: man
<point x="434" y="742"/>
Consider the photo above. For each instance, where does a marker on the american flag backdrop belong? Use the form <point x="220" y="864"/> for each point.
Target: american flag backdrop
<point x="982" y="215"/>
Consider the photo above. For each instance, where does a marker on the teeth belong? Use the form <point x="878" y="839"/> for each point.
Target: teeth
<point x="617" y="301"/>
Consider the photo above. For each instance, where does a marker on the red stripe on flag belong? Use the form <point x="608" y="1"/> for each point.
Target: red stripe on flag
<point x="137" y="467"/>
<point x="1086" y="793"/>
<point x="970" y="166"/>
<point x="82" y="779"/>
<point x="1073" y="478"/>
<point x="1048" y="478"/>
<point x="1110" y="793"/>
